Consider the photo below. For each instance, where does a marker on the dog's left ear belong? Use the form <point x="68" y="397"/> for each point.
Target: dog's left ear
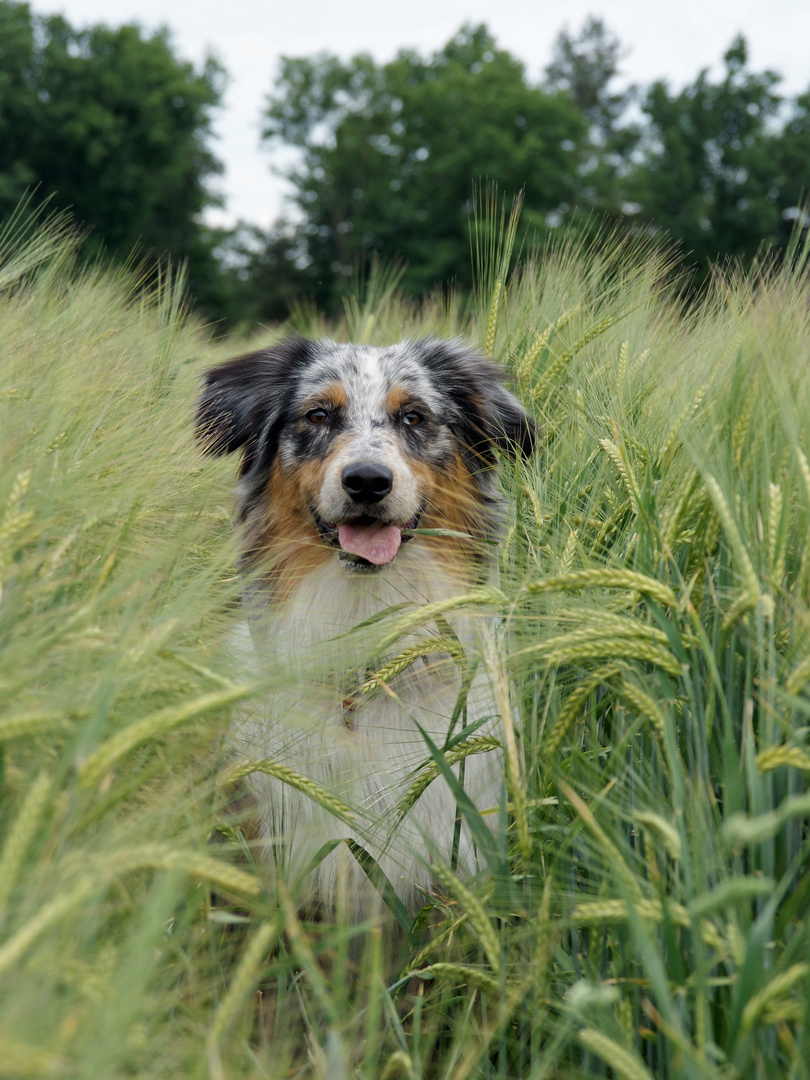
<point x="487" y="416"/>
<point x="507" y="425"/>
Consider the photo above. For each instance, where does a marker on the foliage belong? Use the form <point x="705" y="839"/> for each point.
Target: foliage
<point x="586" y="68"/>
<point x="110" y="123"/>
<point x="708" y="174"/>
<point x="389" y="155"/>
<point x="113" y="124"/>
<point x="643" y="905"/>
<point x="389" y="152"/>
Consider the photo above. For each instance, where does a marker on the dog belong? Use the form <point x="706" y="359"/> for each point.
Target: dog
<point x="368" y="482"/>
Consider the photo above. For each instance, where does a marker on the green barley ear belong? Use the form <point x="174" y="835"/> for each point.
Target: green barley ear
<point x="481" y="744"/>
<point x="492" y="319"/>
<point x="292" y="779"/>
<point x="21" y="834"/>
<point x="492" y="239"/>
<point x="243" y="984"/>
<point x="625" y="1063"/>
<point x="559" y="364"/>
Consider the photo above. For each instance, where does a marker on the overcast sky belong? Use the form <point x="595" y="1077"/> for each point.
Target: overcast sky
<point x="670" y="39"/>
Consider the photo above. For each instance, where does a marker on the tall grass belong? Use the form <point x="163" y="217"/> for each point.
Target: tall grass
<point x="644" y="910"/>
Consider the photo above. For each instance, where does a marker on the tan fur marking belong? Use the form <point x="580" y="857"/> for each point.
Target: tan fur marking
<point x="282" y="534"/>
<point x="398" y="396"/>
<point x="453" y="503"/>
<point x="333" y="395"/>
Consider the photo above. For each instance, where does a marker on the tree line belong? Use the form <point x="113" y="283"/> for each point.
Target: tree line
<point x="113" y="124"/>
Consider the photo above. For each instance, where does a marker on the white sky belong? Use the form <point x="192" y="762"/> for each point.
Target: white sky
<point x="670" y="39"/>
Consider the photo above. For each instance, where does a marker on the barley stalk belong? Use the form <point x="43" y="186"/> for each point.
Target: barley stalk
<point x="476" y="914"/>
<point x="598" y="912"/>
<point x="746" y="567"/>
<point x="304" y="956"/>
<point x="559" y="364"/>
<point x="672" y="517"/>
<point x="642" y="357"/>
<point x="19" y="489"/>
<point x="243" y="981"/>
<point x="804" y="469"/>
<point x="481" y="744"/>
<point x="777" y="757"/>
<point x="18" y="1060"/>
<point x="797" y="679"/>
<point x="624" y="1063"/>
<point x="492" y="320"/>
<point x="461" y="973"/>
<point x="567" y="558"/>
<point x="399" y="1065"/>
<point x="776" y="548"/>
<point x="663" y="829"/>
<point x="535" y="504"/>
<point x="524" y="366"/>
<point x="26" y="724"/>
<point x="611" y="524"/>
<point x="742" y="425"/>
<point x="681" y="418"/>
<point x="404" y="623"/>
<point x="292" y="779"/>
<point x="624" y="355"/>
<point x="47" y="916"/>
<point x="439" y="939"/>
<point x="602" y="626"/>
<point x="738" y="610"/>
<point x="644" y="704"/>
<point x="409" y="656"/>
<point x="154" y="726"/>
<point x="786" y="980"/>
<point x="513" y="759"/>
<point x="606" y="579"/>
<point x="573" y="706"/>
<point x="618" y="458"/>
<point x="223" y="876"/>
<point x="9" y="529"/>
<point x="21" y="833"/>
<point x="620" y="650"/>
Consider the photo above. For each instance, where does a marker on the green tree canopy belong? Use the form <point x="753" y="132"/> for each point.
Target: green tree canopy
<point x="709" y="173"/>
<point x="389" y="153"/>
<point x="110" y="123"/>
<point x="586" y="67"/>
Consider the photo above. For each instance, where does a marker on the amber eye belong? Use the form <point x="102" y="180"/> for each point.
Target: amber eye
<point x="317" y="416"/>
<point x="411" y="419"/>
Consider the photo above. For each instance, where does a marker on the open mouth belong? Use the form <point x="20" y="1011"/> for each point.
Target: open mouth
<point x="366" y="542"/>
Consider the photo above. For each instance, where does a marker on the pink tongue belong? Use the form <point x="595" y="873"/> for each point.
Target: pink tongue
<point x="375" y="543"/>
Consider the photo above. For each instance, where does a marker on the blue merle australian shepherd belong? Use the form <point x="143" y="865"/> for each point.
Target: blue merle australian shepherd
<point x="368" y="481"/>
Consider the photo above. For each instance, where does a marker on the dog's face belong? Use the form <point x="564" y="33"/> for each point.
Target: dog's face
<point x="347" y="448"/>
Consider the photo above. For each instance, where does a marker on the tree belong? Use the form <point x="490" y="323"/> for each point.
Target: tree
<point x="792" y="158"/>
<point x="586" y="67"/>
<point x="389" y="154"/>
<point x="112" y="124"/>
<point x="708" y="174"/>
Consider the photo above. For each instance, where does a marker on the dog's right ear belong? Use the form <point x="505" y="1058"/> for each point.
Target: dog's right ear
<point x="244" y="399"/>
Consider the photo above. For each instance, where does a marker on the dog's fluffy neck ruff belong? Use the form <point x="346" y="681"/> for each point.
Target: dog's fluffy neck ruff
<point x="332" y="600"/>
<point x="363" y="750"/>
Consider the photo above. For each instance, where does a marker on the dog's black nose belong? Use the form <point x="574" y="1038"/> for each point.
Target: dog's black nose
<point x="366" y="482"/>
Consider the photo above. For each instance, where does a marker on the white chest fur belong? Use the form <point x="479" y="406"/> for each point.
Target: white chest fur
<point x="363" y="749"/>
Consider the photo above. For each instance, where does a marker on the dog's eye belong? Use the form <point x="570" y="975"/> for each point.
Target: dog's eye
<point x="317" y="416"/>
<point x="411" y="419"/>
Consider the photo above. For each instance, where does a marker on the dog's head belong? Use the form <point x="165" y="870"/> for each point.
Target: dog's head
<point x="347" y="447"/>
